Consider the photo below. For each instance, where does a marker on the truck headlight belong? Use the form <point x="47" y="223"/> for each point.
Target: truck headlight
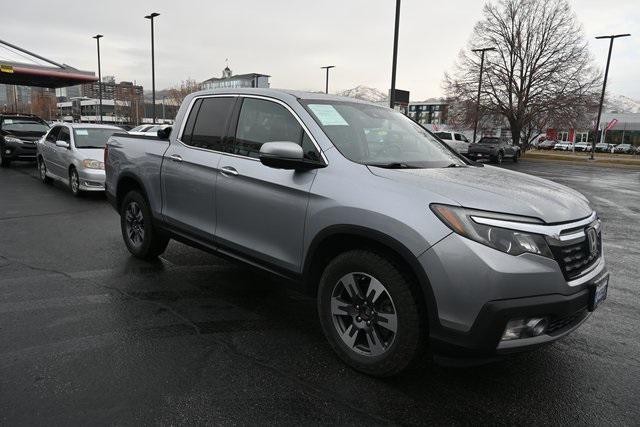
<point x="12" y="139"/>
<point x="92" y="164"/>
<point x="513" y="242"/>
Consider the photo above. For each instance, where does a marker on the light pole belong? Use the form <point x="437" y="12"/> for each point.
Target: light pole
<point x="475" y="121"/>
<point x="153" y="65"/>
<point x="326" y="86"/>
<point x="98" y="37"/>
<point x="395" y="56"/>
<point x="604" y="86"/>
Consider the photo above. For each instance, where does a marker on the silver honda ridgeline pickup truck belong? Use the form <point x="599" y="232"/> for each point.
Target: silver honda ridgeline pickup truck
<point x="407" y="245"/>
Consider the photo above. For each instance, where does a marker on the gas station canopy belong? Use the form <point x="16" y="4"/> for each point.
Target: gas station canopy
<point x="51" y="76"/>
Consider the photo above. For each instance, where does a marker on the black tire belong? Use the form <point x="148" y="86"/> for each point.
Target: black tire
<point x="499" y="158"/>
<point x="515" y="157"/>
<point x="151" y="242"/>
<point x="74" y="182"/>
<point x="5" y="163"/>
<point x="407" y="346"/>
<point x="42" y="171"/>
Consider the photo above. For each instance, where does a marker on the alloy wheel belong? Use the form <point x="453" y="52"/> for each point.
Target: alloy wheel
<point x="134" y="224"/>
<point x="364" y="314"/>
<point x="75" y="182"/>
<point x="43" y="170"/>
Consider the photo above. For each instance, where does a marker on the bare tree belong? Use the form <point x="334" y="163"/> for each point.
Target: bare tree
<point x="177" y="93"/>
<point x="541" y="73"/>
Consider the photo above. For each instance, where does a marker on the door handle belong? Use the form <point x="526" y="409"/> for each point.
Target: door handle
<point x="228" y="171"/>
<point x="176" y="157"/>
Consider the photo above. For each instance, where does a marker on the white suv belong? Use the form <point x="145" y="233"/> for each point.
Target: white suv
<point x="455" y="140"/>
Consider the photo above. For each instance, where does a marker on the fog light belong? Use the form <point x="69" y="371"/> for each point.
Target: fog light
<point x="7" y="151"/>
<point x="524" y="328"/>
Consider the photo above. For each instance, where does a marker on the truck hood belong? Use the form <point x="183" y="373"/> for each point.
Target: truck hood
<point x="497" y="190"/>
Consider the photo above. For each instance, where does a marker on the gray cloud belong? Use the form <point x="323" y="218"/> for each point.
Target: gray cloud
<point x="288" y="39"/>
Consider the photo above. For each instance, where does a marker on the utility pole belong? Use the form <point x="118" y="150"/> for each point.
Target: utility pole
<point x="475" y="120"/>
<point x="153" y="65"/>
<point x="326" y="86"/>
<point x="392" y="95"/>
<point x="98" y="37"/>
<point x="604" y="86"/>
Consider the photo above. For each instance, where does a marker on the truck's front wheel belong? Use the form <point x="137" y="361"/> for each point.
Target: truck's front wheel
<point x="370" y="313"/>
<point x="142" y="239"/>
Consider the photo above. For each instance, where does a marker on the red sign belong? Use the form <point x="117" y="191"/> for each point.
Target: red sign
<point x="611" y="124"/>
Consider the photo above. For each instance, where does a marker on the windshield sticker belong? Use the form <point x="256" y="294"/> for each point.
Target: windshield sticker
<point x="82" y="132"/>
<point x="328" y="115"/>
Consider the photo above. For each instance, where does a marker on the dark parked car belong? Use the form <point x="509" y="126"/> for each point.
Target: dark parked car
<point x="493" y="149"/>
<point x="18" y="136"/>
<point x="547" y="144"/>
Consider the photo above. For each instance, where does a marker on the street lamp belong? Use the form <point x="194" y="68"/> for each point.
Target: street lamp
<point x="604" y="86"/>
<point x="326" y="86"/>
<point x="395" y="56"/>
<point x="98" y="37"/>
<point x="475" y="121"/>
<point x="153" y="65"/>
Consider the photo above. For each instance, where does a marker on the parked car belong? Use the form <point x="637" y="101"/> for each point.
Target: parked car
<point x="150" y="131"/>
<point x="624" y="149"/>
<point x="493" y="149"/>
<point x="73" y="153"/>
<point x="455" y="140"/>
<point x="140" y="128"/>
<point x="603" y="147"/>
<point x="403" y="242"/>
<point x="583" y="146"/>
<point x="564" y="146"/>
<point x="18" y="136"/>
<point x="547" y="144"/>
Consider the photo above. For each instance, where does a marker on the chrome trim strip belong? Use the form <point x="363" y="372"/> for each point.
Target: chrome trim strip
<point x="552" y="231"/>
<point x="589" y="273"/>
<point x="230" y="95"/>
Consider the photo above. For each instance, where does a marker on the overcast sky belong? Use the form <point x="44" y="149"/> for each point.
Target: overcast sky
<point x="289" y="39"/>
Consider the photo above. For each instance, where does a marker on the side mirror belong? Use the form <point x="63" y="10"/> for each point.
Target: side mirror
<point x="164" y="133"/>
<point x="285" y="155"/>
<point x="62" y="144"/>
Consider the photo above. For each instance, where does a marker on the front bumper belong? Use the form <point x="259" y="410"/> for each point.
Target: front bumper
<point x="19" y="151"/>
<point x="91" y="179"/>
<point x="478" y="289"/>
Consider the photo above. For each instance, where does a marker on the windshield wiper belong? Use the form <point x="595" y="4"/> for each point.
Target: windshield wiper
<point x="455" y="165"/>
<point x="392" y="165"/>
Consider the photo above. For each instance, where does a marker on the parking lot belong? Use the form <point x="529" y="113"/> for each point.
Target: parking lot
<point x="89" y="334"/>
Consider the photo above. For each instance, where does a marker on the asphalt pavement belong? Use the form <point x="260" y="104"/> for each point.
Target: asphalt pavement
<point x="90" y="335"/>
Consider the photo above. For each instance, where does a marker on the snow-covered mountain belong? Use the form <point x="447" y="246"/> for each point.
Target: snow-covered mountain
<point x="365" y="93"/>
<point x="622" y="104"/>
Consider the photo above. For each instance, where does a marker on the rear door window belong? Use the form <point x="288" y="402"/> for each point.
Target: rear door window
<point x="443" y="135"/>
<point x="210" y="124"/>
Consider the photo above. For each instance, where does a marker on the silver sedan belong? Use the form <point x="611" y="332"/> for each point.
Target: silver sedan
<point x="73" y="153"/>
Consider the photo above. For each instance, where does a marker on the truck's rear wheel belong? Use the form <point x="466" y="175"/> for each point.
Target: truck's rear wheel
<point x="370" y="315"/>
<point x="142" y="239"/>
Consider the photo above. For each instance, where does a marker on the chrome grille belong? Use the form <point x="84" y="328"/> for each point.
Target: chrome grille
<point x="575" y="256"/>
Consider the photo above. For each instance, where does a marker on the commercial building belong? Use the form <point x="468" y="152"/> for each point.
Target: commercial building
<point x="228" y="80"/>
<point x="430" y="112"/>
<point x="624" y="129"/>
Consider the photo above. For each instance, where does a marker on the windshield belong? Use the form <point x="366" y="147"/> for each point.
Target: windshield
<point x="140" y="128"/>
<point x="379" y="136"/>
<point x="23" y="125"/>
<point x="489" y="141"/>
<point x="92" y="137"/>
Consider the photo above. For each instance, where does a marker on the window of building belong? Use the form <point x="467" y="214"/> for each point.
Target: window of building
<point x="263" y="121"/>
<point x="563" y="136"/>
<point x="210" y="124"/>
<point x="582" y="136"/>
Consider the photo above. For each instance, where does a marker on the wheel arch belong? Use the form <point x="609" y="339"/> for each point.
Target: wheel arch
<point x="128" y="182"/>
<point x="337" y="239"/>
